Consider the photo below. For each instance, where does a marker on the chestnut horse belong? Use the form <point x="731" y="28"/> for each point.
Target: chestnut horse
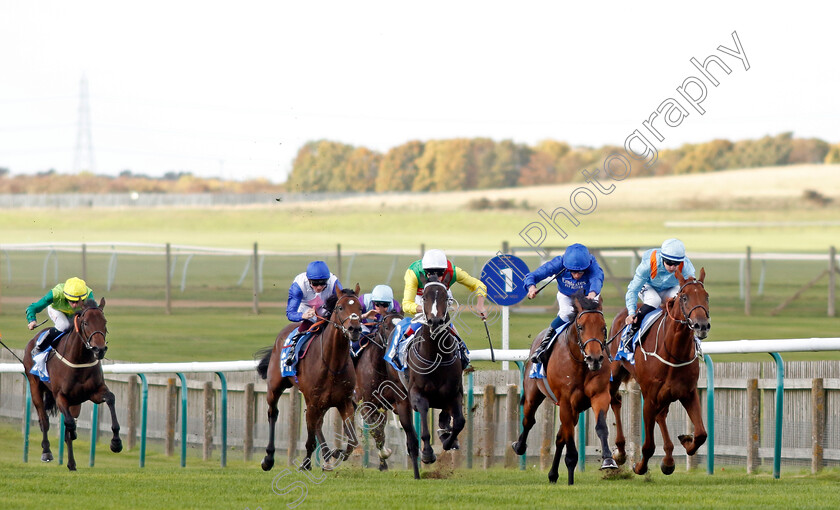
<point x="667" y="365"/>
<point x="433" y="378"/>
<point x="577" y="378"/>
<point x="326" y="378"/>
<point x="378" y="392"/>
<point x="75" y="371"/>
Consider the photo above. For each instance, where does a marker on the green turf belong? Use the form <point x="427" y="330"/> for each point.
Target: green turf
<point x="116" y="481"/>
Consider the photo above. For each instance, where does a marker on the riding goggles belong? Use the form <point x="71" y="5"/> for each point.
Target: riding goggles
<point x="435" y="272"/>
<point x="671" y="263"/>
<point x="383" y="304"/>
<point x="318" y="283"/>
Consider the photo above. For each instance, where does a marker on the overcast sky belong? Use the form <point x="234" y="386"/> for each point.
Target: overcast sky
<point x="233" y="89"/>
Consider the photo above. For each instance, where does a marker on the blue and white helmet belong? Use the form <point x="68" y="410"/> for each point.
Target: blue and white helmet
<point x="673" y="249"/>
<point x="317" y="270"/>
<point x="577" y="258"/>
<point x="382" y="293"/>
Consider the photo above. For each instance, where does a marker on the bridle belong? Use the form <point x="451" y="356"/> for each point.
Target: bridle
<point x="436" y="333"/>
<point x="688" y="322"/>
<point x="581" y="344"/>
<point x="80" y="324"/>
<point x="346" y="332"/>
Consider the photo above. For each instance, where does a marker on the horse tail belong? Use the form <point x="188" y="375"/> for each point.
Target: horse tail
<point x="49" y="404"/>
<point x="264" y="355"/>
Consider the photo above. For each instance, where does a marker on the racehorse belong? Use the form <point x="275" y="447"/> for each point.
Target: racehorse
<point x="374" y="388"/>
<point x="75" y="374"/>
<point x="433" y="378"/>
<point x="667" y="367"/>
<point x="577" y="378"/>
<point x="326" y="378"/>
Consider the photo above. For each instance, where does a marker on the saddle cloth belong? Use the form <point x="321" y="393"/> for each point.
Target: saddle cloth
<point x="537" y="369"/>
<point x="627" y="351"/>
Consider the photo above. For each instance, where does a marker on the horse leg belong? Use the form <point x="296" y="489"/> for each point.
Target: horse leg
<point x="533" y="399"/>
<point x="600" y="404"/>
<point x="692" y="407"/>
<point x="378" y="434"/>
<point x="404" y="411"/>
<point x="43" y="420"/>
<point x="444" y="425"/>
<point x="272" y="395"/>
<point x="327" y="454"/>
<point x="615" y="404"/>
<point x="568" y="420"/>
<point x="458" y="423"/>
<point x="560" y="442"/>
<point x="650" y="411"/>
<point x="667" y="465"/>
<point x="105" y="395"/>
<point x="422" y="406"/>
<point x="347" y="414"/>
<point x="69" y="429"/>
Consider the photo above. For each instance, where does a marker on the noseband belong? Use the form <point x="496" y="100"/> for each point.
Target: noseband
<point x="80" y="323"/>
<point x="340" y="325"/>
<point x="581" y="344"/>
<point x="688" y="322"/>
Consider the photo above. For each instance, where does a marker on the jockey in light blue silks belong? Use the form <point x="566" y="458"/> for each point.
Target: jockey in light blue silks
<point x="375" y="305"/>
<point x="576" y="270"/>
<point x="655" y="282"/>
<point x="307" y="296"/>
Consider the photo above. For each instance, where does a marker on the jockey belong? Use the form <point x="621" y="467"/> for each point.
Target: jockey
<point x="307" y="296"/>
<point x="62" y="302"/>
<point x="375" y="306"/>
<point x="576" y="270"/>
<point x="434" y="262"/>
<point x="654" y="282"/>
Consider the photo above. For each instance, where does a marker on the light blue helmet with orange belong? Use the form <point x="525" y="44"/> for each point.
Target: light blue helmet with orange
<point x="577" y="258"/>
<point x="673" y="249"/>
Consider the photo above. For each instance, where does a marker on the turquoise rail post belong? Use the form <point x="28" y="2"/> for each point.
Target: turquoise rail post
<point x="710" y="414"/>
<point x="224" y="418"/>
<point x="582" y="441"/>
<point x="365" y="445"/>
<point x="470" y="397"/>
<point x="780" y="396"/>
<point x="144" y="406"/>
<point x="522" y="458"/>
<point x="183" y="419"/>
<point x="27" y="417"/>
<point x="94" y="428"/>
<point x="60" y="438"/>
<point x="417" y="429"/>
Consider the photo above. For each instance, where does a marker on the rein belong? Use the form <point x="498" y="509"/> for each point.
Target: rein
<point x="686" y="322"/>
<point x="79" y="328"/>
<point x="345" y="332"/>
<point x="582" y="345"/>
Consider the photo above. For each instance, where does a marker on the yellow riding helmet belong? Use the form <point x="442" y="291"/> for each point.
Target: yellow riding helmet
<point x="75" y="289"/>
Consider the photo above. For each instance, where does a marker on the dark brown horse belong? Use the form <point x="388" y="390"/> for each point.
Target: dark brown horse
<point x="376" y="392"/>
<point x="577" y="378"/>
<point x="76" y="376"/>
<point x="667" y="365"/>
<point x="325" y="376"/>
<point x="433" y="378"/>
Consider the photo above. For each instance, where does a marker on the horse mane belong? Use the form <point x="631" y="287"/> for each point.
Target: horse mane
<point x="329" y="305"/>
<point x="585" y="302"/>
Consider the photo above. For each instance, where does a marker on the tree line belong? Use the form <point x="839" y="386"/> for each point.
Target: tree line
<point x="481" y="163"/>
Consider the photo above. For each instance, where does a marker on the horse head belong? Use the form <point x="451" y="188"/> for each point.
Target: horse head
<point x="347" y="313"/>
<point x="91" y="326"/>
<point x="436" y="304"/>
<point x="693" y="302"/>
<point x="591" y="331"/>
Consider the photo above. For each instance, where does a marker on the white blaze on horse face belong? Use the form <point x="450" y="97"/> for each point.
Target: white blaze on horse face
<point x="434" y="309"/>
<point x="351" y="302"/>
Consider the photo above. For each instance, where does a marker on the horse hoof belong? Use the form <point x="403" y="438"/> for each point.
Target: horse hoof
<point x="337" y="454"/>
<point x="667" y="469"/>
<point x="46" y="457"/>
<point x="267" y="464"/>
<point x="385" y="453"/>
<point x="116" y="445"/>
<point x="428" y="459"/>
<point x="639" y="469"/>
<point x="327" y="466"/>
<point x="71" y="467"/>
<point x="620" y="458"/>
<point x="608" y="463"/>
<point x="519" y="448"/>
<point x="552" y="477"/>
<point x="383" y="466"/>
<point x="685" y="439"/>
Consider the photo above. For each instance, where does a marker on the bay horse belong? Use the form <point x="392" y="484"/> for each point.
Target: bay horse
<point x="75" y="372"/>
<point x="577" y="378"/>
<point x="325" y="377"/>
<point x="434" y="378"/>
<point x="667" y="366"/>
<point x="376" y="390"/>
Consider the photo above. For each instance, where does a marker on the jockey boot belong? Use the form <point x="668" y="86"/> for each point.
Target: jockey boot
<point x="295" y="339"/>
<point x="637" y="323"/>
<point x="45" y="341"/>
<point x="541" y="355"/>
<point x="462" y="352"/>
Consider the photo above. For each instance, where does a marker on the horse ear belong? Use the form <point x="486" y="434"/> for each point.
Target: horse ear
<point x="358" y="290"/>
<point x="102" y="304"/>
<point x="702" y="274"/>
<point x="576" y="302"/>
<point x="679" y="276"/>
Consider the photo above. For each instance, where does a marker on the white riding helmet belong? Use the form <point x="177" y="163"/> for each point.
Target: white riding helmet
<point x="434" y="259"/>
<point x="673" y="249"/>
<point x="382" y="293"/>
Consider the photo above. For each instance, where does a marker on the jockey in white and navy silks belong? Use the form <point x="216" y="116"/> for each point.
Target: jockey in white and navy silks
<point x="307" y="296"/>
<point x="576" y="270"/>
<point x="375" y="305"/>
<point x="655" y="282"/>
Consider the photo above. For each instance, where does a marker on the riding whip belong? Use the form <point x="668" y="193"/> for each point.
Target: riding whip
<point x="13" y="353"/>
<point x="549" y="281"/>
<point x="492" y="355"/>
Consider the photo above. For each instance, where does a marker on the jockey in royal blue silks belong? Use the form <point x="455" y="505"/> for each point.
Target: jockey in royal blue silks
<point x="307" y="296"/>
<point x="655" y="282"/>
<point x="576" y="270"/>
<point x="375" y="305"/>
